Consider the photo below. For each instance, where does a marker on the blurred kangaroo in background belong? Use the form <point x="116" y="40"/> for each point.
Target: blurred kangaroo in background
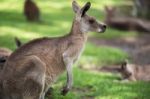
<point x="131" y="72"/>
<point x="31" y="11"/>
<point x="125" y="23"/>
<point x="5" y="53"/>
<point x="37" y="64"/>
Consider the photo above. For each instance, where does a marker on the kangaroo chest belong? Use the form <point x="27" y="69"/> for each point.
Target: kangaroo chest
<point x="78" y="54"/>
<point x="74" y="51"/>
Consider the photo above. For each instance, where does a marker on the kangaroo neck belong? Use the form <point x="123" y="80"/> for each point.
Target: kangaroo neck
<point x="76" y="31"/>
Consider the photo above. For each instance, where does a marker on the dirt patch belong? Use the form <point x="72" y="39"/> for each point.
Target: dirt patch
<point x="111" y="69"/>
<point x="137" y="47"/>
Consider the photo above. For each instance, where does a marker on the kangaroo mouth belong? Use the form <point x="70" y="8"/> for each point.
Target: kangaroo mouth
<point x="102" y="30"/>
<point x="2" y="60"/>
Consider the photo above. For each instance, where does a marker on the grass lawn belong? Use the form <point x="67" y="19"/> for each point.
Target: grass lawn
<point x="57" y="16"/>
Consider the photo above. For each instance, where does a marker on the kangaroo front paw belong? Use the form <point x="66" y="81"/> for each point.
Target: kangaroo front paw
<point x="49" y="92"/>
<point x="64" y="91"/>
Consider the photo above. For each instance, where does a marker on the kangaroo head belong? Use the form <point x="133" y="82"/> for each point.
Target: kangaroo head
<point x="4" y="54"/>
<point x="127" y="70"/>
<point x="110" y="11"/>
<point x="87" y="23"/>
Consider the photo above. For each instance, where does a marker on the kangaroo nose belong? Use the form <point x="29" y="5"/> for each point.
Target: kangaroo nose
<point x="104" y="26"/>
<point x="2" y="59"/>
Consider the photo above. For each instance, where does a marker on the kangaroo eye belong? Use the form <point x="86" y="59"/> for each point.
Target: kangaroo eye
<point x="91" y="21"/>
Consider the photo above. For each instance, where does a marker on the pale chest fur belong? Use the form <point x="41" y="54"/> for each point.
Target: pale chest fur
<point x="75" y="50"/>
<point x="75" y="57"/>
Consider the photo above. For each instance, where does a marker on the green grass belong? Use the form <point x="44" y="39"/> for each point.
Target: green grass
<point x="96" y="56"/>
<point x="93" y="85"/>
<point x="57" y="17"/>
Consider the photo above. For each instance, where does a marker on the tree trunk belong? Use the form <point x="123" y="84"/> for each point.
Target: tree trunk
<point x="142" y="8"/>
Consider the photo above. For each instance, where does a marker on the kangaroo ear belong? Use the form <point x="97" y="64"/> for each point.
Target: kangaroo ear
<point x="18" y="42"/>
<point x="124" y="65"/>
<point x="110" y="8"/>
<point x="106" y="8"/>
<point x="75" y="6"/>
<point x="85" y="8"/>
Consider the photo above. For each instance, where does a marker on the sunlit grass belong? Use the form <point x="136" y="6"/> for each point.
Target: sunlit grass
<point x="101" y="55"/>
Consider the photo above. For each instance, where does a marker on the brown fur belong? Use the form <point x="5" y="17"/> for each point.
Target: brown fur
<point x="132" y="72"/>
<point x="31" y="11"/>
<point x="41" y="61"/>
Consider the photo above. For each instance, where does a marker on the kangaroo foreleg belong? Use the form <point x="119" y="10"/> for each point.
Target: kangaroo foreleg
<point x="68" y="63"/>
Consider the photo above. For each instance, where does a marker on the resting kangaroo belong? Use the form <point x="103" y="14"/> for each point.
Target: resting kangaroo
<point x="125" y="23"/>
<point x="5" y="53"/>
<point x="37" y="64"/>
<point x="131" y="72"/>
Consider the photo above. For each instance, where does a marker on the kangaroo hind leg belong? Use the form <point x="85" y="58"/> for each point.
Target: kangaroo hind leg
<point x="35" y="78"/>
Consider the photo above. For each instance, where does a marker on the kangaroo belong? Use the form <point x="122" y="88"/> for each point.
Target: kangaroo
<point x="5" y="53"/>
<point x="131" y="72"/>
<point x="38" y="63"/>
<point x="31" y="11"/>
<point x="125" y="23"/>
